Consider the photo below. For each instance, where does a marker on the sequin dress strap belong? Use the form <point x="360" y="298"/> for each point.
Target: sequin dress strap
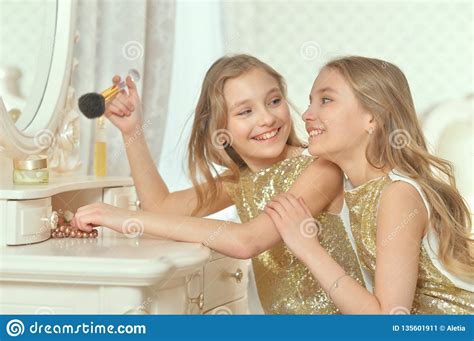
<point x="345" y="217"/>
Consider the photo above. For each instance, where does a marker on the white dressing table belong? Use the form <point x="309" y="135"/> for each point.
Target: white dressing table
<point x="113" y="274"/>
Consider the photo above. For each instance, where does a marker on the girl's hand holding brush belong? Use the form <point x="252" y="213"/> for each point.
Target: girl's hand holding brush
<point x="125" y="110"/>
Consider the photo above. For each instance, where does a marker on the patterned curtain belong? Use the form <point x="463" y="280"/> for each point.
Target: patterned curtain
<point x="116" y="36"/>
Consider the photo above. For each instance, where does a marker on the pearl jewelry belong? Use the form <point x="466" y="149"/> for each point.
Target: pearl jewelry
<point x="64" y="230"/>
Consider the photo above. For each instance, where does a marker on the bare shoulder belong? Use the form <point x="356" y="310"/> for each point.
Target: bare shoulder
<point x="401" y="204"/>
<point x="401" y="194"/>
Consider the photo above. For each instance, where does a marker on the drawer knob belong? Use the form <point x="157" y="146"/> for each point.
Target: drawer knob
<point x="135" y="205"/>
<point x="238" y="275"/>
<point x="198" y="300"/>
<point x="52" y="221"/>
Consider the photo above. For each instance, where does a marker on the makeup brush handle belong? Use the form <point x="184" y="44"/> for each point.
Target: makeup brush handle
<point x="109" y="93"/>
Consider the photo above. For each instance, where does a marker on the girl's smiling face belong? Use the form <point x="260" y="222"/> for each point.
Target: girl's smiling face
<point x="335" y="121"/>
<point x="258" y="117"/>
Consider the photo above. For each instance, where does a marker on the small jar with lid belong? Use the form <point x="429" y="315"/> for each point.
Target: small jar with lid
<point x="32" y="171"/>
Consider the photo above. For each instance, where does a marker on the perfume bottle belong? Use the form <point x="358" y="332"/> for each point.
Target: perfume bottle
<point x="100" y="150"/>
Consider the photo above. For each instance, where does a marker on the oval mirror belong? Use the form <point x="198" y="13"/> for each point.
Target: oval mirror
<point x="27" y="38"/>
<point x="37" y="38"/>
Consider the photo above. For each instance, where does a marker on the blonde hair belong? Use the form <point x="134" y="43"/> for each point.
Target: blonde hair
<point x="382" y="89"/>
<point x="210" y="144"/>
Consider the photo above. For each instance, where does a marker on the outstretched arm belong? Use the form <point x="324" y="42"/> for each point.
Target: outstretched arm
<point x="235" y="240"/>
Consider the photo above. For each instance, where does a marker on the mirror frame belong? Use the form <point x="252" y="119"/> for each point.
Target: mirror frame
<point x="17" y="143"/>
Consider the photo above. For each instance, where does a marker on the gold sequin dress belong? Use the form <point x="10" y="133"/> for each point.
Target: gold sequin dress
<point x="437" y="291"/>
<point x="284" y="284"/>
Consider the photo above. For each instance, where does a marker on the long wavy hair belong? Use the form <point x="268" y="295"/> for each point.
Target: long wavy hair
<point x="398" y="143"/>
<point x="210" y="143"/>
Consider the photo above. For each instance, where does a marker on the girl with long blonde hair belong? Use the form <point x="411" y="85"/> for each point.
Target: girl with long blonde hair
<point x="411" y="226"/>
<point x="242" y="122"/>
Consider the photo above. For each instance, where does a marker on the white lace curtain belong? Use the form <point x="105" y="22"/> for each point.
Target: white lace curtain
<point x="116" y="36"/>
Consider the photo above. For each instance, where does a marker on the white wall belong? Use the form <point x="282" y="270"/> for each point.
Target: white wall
<point x="432" y="41"/>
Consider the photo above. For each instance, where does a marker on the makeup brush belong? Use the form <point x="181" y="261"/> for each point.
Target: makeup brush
<point x="92" y="104"/>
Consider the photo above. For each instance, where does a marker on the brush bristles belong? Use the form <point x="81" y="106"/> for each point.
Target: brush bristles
<point x="92" y="105"/>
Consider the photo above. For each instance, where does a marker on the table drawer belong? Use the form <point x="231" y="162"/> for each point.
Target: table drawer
<point x="28" y="221"/>
<point x="225" y="280"/>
